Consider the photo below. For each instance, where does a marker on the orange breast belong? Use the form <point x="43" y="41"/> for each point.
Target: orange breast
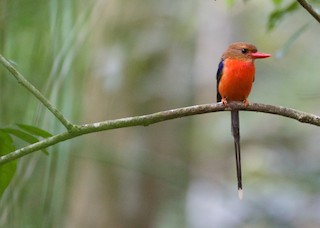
<point x="237" y="78"/>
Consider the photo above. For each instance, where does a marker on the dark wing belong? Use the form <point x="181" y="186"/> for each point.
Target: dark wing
<point x="219" y="74"/>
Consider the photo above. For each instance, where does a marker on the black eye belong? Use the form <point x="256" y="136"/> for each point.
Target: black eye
<point x="244" y="51"/>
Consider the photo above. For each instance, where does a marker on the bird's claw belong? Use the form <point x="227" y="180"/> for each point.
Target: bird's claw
<point x="224" y="101"/>
<point x="246" y="102"/>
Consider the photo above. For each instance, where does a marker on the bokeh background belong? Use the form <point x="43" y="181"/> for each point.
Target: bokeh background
<point x="105" y="59"/>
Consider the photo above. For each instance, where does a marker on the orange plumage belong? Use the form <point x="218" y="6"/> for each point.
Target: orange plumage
<point x="237" y="79"/>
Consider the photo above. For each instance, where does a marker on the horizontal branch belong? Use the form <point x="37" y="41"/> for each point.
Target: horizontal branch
<point x="146" y="120"/>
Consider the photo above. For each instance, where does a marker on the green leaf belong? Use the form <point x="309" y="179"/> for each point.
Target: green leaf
<point x="278" y="14"/>
<point x="34" y="130"/>
<point x="7" y="170"/>
<point x="23" y="136"/>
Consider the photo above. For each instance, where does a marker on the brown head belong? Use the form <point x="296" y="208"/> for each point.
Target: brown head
<point x="243" y="51"/>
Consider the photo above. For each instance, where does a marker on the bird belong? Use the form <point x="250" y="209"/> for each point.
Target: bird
<point x="235" y="76"/>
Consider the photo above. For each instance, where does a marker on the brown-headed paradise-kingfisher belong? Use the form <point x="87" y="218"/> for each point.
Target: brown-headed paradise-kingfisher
<point x="235" y="76"/>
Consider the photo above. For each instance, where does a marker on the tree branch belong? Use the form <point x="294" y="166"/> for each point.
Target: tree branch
<point x="146" y="120"/>
<point x="24" y="82"/>
<point x="310" y="9"/>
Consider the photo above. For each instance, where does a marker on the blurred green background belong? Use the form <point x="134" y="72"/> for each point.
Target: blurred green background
<point x="106" y="59"/>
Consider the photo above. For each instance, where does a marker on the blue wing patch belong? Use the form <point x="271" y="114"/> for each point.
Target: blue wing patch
<point x="219" y="74"/>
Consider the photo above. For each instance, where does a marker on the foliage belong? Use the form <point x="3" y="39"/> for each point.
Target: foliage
<point x="278" y="14"/>
<point x="28" y="134"/>
<point x="7" y="170"/>
<point x="47" y="42"/>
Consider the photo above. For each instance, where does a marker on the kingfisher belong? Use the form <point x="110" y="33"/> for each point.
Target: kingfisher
<point x="235" y="76"/>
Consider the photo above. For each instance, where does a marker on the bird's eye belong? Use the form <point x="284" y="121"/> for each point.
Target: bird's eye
<point x="244" y="51"/>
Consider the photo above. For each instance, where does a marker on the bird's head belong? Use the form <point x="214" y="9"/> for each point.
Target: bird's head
<point x="243" y="51"/>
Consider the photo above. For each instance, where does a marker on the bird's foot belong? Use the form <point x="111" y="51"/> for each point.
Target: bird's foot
<point x="246" y="102"/>
<point x="224" y="101"/>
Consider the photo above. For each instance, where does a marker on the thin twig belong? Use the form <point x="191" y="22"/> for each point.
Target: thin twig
<point x="146" y="120"/>
<point x="310" y="9"/>
<point x="24" y="82"/>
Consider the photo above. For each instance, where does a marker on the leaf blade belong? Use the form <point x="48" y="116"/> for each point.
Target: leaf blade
<point x="7" y="170"/>
<point x="34" y="130"/>
<point x="23" y="136"/>
<point x="277" y="15"/>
